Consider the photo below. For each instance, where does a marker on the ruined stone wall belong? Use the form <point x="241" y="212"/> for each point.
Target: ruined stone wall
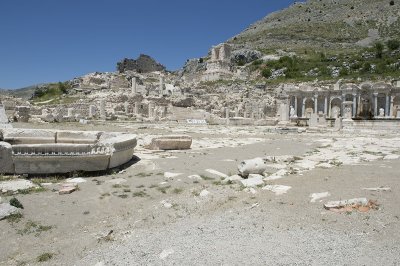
<point x="143" y="64"/>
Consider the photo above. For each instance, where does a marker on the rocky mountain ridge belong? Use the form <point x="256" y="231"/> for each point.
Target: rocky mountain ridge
<point x="328" y="25"/>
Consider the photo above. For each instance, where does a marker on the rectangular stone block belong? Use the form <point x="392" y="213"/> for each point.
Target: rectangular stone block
<point x="28" y="136"/>
<point x="77" y="137"/>
<point x="6" y="160"/>
<point x="60" y="164"/>
<point x="171" y="143"/>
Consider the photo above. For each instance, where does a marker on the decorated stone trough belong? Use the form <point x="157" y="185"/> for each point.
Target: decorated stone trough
<point x="37" y="151"/>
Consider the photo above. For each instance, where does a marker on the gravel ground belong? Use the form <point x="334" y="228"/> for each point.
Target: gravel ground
<point x="152" y="213"/>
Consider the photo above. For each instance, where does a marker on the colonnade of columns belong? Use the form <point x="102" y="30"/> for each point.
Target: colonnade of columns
<point x="356" y="104"/>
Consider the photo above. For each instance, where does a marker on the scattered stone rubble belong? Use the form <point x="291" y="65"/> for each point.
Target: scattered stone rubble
<point x="360" y="204"/>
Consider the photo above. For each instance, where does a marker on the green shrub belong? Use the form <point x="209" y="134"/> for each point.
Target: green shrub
<point x="366" y="68"/>
<point x="45" y="257"/>
<point x="378" y="47"/>
<point x="266" y="73"/>
<point x="16" y="203"/>
<point x="393" y="44"/>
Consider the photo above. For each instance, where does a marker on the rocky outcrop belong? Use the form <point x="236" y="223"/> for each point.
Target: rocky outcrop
<point x="327" y="24"/>
<point x="194" y="66"/>
<point x="143" y="64"/>
<point x="244" y="56"/>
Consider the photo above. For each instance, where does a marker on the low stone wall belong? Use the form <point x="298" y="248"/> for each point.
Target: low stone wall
<point x="28" y="151"/>
<point x="378" y="124"/>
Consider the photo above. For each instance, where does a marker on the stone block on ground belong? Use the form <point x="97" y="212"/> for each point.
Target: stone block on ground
<point x="7" y="163"/>
<point x="253" y="181"/>
<point x="6" y="210"/>
<point x="15" y="185"/>
<point x="253" y="166"/>
<point x="170" y="143"/>
<point x="67" y="188"/>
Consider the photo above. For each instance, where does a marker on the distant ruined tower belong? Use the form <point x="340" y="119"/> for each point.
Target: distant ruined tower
<point x="219" y="67"/>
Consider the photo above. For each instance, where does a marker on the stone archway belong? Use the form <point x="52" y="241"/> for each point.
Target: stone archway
<point x="336" y="108"/>
<point x="308" y="107"/>
<point x="365" y="105"/>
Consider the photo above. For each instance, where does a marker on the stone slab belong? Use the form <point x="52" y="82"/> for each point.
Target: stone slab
<point x="67" y="189"/>
<point x="6" y="210"/>
<point x="171" y="143"/>
<point x="6" y="160"/>
<point x="314" y="120"/>
<point x="60" y="164"/>
<point x="253" y="181"/>
<point x="15" y="185"/>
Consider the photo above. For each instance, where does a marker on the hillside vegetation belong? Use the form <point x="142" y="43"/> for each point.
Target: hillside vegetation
<point x="378" y="62"/>
<point x="324" y="25"/>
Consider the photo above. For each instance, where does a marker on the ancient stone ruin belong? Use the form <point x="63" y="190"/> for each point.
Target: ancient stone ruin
<point x="143" y="64"/>
<point x="30" y="151"/>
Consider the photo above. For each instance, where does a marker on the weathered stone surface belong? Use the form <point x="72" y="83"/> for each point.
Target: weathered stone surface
<point x="277" y="189"/>
<point x="253" y="166"/>
<point x="60" y="164"/>
<point x="77" y="137"/>
<point x="29" y="136"/>
<point x="3" y="116"/>
<point x="6" y="161"/>
<point x="74" y="151"/>
<point x="143" y="64"/>
<point x="234" y="178"/>
<point x="244" y="56"/>
<point x="344" y="203"/>
<point x="22" y="113"/>
<point x="253" y="181"/>
<point x="314" y="120"/>
<point x="171" y="143"/>
<point x="67" y="188"/>
<point x="15" y="185"/>
<point x="6" y="210"/>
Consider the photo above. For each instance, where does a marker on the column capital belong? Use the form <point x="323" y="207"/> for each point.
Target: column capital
<point x="375" y="94"/>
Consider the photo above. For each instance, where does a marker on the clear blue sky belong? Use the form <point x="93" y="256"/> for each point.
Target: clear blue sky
<point x="56" y="40"/>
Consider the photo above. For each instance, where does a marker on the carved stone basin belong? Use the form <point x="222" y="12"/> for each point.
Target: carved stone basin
<point x="36" y="151"/>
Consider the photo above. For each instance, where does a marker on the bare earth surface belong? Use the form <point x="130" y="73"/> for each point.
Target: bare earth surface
<point x="171" y="208"/>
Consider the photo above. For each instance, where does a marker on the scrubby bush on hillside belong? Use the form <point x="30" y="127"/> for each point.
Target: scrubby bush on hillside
<point x="393" y="44"/>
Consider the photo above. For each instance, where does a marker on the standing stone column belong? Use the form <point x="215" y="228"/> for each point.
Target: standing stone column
<point x="227" y="111"/>
<point x="151" y="109"/>
<point x="161" y="86"/>
<point x="354" y="105"/>
<point x="136" y="108"/>
<point x="102" y="109"/>
<point x="126" y="107"/>
<point x="387" y="105"/>
<point x="303" y="108"/>
<point x="295" y="105"/>
<point x="359" y="106"/>
<point x="342" y="107"/>
<point x="70" y="112"/>
<point x="134" y="86"/>
<point x="326" y="106"/>
<point x="316" y="103"/>
<point x="92" y="111"/>
<point x="392" y="106"/>
<point x="164" y="111"/>
<point x="375" y="104"/>
<point x="237" y="112"/>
